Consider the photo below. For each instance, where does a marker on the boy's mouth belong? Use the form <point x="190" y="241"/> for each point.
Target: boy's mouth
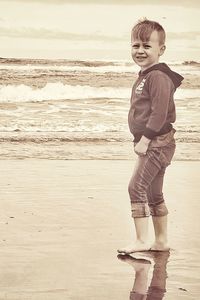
<point x="140" y="57"/>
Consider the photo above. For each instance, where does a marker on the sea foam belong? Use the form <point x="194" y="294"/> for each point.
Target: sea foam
<point x="114" y="68"/>
<point x="60" y="91"/>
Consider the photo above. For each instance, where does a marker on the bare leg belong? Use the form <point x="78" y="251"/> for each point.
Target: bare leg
<point x="159" y="212"/>
<point x="141" y="243"/>
<point x="160" y="228"/>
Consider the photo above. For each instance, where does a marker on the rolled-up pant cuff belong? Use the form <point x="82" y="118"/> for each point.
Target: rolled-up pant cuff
<point x="159" y="210"/>
<point x="140" y="210"/>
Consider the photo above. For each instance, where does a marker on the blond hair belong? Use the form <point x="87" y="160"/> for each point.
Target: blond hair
<point x="144" y="28"/>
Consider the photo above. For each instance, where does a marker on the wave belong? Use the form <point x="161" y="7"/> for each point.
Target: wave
<point x="32" y="67"/>
<point x="55" y="126"/>
<point x="76" y="68"/>
<point x="57" y="62"/>
<point x="85" y="136"/>
<point x="60" y="91"/>
<point x="40" y="139"/>
<point x="183" y="69"/>
<point x="83" y="63"/>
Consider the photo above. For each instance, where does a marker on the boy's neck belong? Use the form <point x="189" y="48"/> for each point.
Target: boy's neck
<point x="144" y="69"/>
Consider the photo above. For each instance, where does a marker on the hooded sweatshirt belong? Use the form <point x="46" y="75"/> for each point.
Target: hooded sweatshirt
<point x="152" y="109"/>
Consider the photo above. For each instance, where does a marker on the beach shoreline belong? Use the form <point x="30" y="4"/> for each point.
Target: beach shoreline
<point x="65" y="146"/>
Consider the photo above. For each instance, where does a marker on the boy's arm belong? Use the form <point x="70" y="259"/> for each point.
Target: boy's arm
<point x="160" y="90"/>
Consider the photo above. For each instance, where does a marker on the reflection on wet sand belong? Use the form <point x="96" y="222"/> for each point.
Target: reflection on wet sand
<point x="141" y="266"/>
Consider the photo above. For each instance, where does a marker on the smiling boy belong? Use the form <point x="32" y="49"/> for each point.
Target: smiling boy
<point x="151" y="114"/>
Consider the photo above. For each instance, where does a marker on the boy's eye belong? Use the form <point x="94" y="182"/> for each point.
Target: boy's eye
<point x="147" y="46"/>
<point x="135" y="46"/>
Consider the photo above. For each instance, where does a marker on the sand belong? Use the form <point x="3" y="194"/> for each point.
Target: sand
<point x="62" y="221"/>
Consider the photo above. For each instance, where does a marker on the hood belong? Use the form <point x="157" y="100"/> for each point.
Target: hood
<point x="175" y="77"/>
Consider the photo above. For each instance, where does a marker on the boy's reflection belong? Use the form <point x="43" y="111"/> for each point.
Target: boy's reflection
<point x="157" y="288"/>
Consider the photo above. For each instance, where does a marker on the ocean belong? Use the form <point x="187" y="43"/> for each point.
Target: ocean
<point x="63" y="101"/>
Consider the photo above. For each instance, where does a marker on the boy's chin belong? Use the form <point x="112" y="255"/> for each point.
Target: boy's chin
<point x="141" y="64"/>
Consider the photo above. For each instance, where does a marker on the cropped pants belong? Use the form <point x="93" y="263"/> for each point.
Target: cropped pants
<point x="146" y="184"/>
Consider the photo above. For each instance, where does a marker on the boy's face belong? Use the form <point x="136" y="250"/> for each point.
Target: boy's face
<point x="146" y="54"/>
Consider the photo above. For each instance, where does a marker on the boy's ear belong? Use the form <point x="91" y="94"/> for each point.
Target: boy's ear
<point x="162" y="49"/>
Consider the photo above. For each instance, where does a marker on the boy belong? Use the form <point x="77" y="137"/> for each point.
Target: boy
<point x="151" y="114"/>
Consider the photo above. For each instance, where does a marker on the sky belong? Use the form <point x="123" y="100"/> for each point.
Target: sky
<point x="186" y="3"/>
<point x="85" y="29"/>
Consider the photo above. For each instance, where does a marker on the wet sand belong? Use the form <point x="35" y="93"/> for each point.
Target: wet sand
<point x="62" y="221"/>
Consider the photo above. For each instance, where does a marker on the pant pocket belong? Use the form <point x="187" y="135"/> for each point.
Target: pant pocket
<point x="168" y="153"/>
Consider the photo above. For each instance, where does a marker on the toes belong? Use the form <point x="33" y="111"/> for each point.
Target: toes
<point x="122" y="250"/>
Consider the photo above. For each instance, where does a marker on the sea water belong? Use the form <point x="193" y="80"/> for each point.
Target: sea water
<point x="87" y="98"/>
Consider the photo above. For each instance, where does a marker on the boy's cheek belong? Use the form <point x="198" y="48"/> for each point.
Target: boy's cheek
<point x="133" y="56"/>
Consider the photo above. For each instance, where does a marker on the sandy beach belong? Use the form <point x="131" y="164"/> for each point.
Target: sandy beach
<point x="66" y="152"/>
<point x="62" y="221"/>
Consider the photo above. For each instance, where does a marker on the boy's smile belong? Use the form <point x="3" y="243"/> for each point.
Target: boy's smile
<point x="146" y="53"/>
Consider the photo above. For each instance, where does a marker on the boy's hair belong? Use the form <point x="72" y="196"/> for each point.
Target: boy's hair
<point x="144" y="28"/>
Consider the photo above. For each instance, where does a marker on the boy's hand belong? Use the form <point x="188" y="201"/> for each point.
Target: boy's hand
<point x="142" y="146"/>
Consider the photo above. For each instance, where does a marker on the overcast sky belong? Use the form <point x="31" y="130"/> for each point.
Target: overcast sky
<point x="92" y="28"/>
<point x="194" y="3"/>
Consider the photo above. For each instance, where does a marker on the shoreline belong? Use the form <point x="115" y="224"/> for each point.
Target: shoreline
<point x="86" y="151"/>
<point x="95" y="147"/>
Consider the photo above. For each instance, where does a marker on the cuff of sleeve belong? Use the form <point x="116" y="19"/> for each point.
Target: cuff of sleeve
<point x="149" y="133"/>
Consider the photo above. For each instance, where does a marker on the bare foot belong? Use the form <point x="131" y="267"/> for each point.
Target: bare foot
<point x="138" y="246"/>
<point x="159" y="246"/>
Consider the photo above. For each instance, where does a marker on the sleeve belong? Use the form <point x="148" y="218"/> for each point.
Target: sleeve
<point x="160" y="90"/>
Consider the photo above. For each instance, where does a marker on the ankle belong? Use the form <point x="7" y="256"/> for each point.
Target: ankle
<point x="162" y="240"/>
<point x="141" y="240"/>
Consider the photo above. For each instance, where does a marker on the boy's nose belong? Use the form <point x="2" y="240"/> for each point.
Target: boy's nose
<point x="140" y="50"/>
